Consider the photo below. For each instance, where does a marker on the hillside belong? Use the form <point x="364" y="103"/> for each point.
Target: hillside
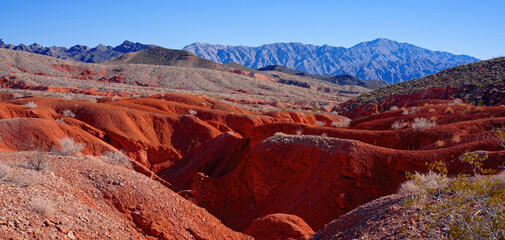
<point x="80" y="53"/>
<point x="380" y="59"/>
<point x="481" y="83"/>
<point x="22" y="70"/>
<point x="339" y="79"/>
<point x="168" y="57"/>
<point x="240" y="166"/>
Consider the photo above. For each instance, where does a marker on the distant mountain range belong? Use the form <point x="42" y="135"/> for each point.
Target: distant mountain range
<point x="79" y="52"/>
<point x="380" y="59"/>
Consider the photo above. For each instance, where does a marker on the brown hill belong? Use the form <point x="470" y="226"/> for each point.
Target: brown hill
<point x="168" y="57"/>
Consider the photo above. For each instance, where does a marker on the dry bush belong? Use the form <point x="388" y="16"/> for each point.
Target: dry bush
<point x="410" y="111"/>
<point x="68" y="113"/>
<point x="393" y="108"/>
<point x="456" y="138"/>
<point x="69" y="147"/>
<point x="449" y="110"/>
<point x="4" y="171"/>
<point x="30" y="105"/>
<point x="457" y="101"/>
<point x="39" y="161"/>
<point x="67" y="98"/>
<point x="42" y="207"/>
<point x="320" y="123"/>
<point x="116" y="158"/>
<point x="422" y="123"/>
<point x="299" y="132"/>
<point x="440" y="143"/>
<point x="25" y="178"/>
<point x="431" y="110"/>
<point x="397" y="125"/>
<point x="17" y="95"/>
<point x="60" y="120"/>
<point x="116" y="98"/>
<point x="192" y="112"/>
<point x="344" y="123"/>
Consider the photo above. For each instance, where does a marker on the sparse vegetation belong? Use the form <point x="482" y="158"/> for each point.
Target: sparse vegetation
<point x="68" y="113"/>
<point x="69" y="147"/>
<point x="466" y="207"/>
<point x="116" y="158"/>
<point x="422" y="124"/>
<point x="320" y="123"/>
<point x="393" y="108"/>
<point x="192" y="112"/>
<point x="344" y="123"/>
<point x="397" y="125"/>
<point x="4" y="171"/>
<point x="449" y="110"/>
<point x="410" y="111"/>
<point x="38" y="161"/>
<point x="43" y="207"/>
<point x="30" y="105"/>
<point x="60" y="120"/>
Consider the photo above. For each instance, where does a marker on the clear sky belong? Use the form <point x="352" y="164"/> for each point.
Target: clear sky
<point x="475" y="28"/>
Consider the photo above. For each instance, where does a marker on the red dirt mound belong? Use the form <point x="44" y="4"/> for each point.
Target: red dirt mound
<point x="279" y="226"/>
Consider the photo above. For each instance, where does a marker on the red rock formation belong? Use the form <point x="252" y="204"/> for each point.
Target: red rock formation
<point x="279" y="226"/>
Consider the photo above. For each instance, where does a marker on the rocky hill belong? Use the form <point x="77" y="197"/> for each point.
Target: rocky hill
<point x="481" y="83"/>
<point x="168" y="57"/>
<point x="339" y="79"/>
<point x="80" y="53"/>
<point x="380" y="59"/>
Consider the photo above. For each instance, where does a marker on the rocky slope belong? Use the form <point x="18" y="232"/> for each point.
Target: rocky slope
<point x="239" y="165"/>
<point x="380" y="59"/>
<point x="22" y="70"/>
<point x="339" y="79"/>
<point x="168" y="57"/>
<point x="481" y="83"/>
<point x="80" y="53"/>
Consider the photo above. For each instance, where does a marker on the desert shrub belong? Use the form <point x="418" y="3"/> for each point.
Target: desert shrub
<point x="422" y="123"/>
<point x="30" y="105"/>
<point x="116" y="98"/>
<point x="320" y="123"/>
<point x="67" y="98"/>
<point x="457" y="101"/>
<point x="410" y="111"/>
<point x="42" y="207"/>
<point x="397" y="125"/>
<point x="17" y="95"/>
<point x="68" y="113"/>
<point x="60" y="120"/>
<point x="192" y="112"/>
<point x="344" y="123"/>
<point x="393" y="108"/>
<point x="465" y="207"/>
<point x="116" y="158"/>
<point x="4" y="171"/>
<point x="25" y="178"/>
<point x="69" y="147"/>
<point x="449" y="110"/>
<point x="38" y="161"/>
<point x="299" y="131"/>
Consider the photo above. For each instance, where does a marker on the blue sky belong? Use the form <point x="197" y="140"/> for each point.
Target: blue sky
<point x="475" y="28"/>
